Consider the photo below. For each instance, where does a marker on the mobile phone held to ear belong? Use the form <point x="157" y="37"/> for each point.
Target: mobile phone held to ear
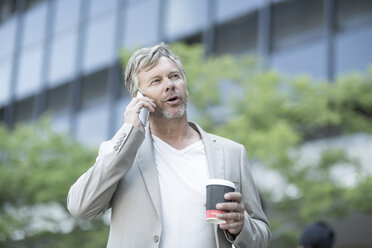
<point x="144" y="114"/>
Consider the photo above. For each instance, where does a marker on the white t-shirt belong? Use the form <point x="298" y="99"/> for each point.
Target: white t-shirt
<point x="182" y="177"/>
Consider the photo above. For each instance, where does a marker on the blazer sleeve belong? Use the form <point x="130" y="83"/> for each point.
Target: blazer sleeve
<point x="256" y="231"/>
<point x="90" y="196"/>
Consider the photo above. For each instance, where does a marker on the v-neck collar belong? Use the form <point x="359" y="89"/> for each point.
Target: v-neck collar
<point x="188" y="148"/>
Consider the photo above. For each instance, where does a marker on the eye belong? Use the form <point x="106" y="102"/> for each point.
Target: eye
<point x="155" y="81"/>
<point x="175" y="76"/>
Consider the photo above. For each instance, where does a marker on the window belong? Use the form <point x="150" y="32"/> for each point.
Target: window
<point x="353" y="13"/>
<point x="295" y="22"/>
<point x="24" y="110"/>
<point x="353" y="50"/>
<point x="308" y="58"/>
<point x="2" y="114"/>
<point x="31" y="3"/>
<point x="7" y="37"/>
<point x="58" y="108"/>
<point x="142" y="23"/>
<point x="92" y="124"/>
<point x="227" y="9"/>
<point x="60" y="123"/>
<point x="95" y="89"/>
<point x="66" y="15"/>
<point x="99" y="47"/>
<point x="57" y="100"/>
<point x="34" y="24"/>
<point x="120" y="109"/>
<point x="63" y="59"/>
<point x="237" y="36"/>
<point x="99" y="6"/>
<point x="29" y="73"/>
<point x="184" y="18"/>
<point x="8" y="7"/>
<point x="5" y="77"/>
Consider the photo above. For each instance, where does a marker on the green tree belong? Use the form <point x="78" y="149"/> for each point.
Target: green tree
<point x="273" y="115"/>
<point x="37" y="167"/>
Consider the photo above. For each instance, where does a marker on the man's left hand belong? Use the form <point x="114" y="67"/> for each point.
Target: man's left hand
<point x="235" y="216"/>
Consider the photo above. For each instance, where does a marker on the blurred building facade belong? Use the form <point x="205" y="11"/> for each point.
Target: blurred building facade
<point x="62" y="56"/>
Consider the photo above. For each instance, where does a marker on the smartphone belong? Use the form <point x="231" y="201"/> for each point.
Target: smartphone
<point x="144" y="114"/>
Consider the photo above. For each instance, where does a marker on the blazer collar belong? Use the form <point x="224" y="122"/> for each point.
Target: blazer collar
<point x="214" y="151"/>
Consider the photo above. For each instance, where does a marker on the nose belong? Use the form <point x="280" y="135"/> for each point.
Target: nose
<point x="169" y="85"/>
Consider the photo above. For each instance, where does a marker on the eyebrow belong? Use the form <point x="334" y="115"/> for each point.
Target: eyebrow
<point x="172" y="72"/>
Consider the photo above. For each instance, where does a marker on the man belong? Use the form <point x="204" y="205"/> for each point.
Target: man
<point x="153" y="177"/>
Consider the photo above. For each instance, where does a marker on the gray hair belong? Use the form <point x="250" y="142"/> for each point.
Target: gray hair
<point x="145" y="59"/>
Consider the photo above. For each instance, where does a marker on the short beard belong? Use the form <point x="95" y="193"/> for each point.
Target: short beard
<point x="169" y="116"/>
<point x="163" y="113"/>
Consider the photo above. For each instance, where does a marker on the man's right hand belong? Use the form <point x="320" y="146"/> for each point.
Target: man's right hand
<point x="131" y="114"/>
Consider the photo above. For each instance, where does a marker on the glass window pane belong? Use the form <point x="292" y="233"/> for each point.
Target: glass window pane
<point x="7" y="37"/>
<point x="67" y="14"/>
<point x="5" y="77"/>
<point x="95" y="88"/>
<point x="31" y="3"/>
<point x="295" y="22"/>
<point x="57" y="100"/>
<point x="99" y="48"/>
<point x="353" y="50"/>
<point x="34" y="24"/>
<point x="185" y="17"/>
<point x="307" y="58"/>
<point x="62" y="62"/>
<point x="142" y="23"/>
<point x="99" y="6"/>
<point x="227" y="9"/>
<point x="58" y="108"/>
<point x="60" y="123"/>
<point x="29" y="72"/>
<point x="8" y="9"/>
<point x="120" y="109"/>
<point x="351" y="13"/>
<point x="237" y="36"/>
<point x="23" y="110"/>
<point x="92" y="125"/>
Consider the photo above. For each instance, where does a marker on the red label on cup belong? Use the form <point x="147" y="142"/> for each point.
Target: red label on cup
<point x="212" y="213"/>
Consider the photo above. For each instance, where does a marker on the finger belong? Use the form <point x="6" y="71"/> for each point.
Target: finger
<point x="148" y="100"/>
<point x="230" y="206"/>
<point x="230" y="216"/>
<point x="232" y="227"/>
<point x="137" y="100"/>
<point x="233" y="196"/>
<point x="143" y="98"/>
<point x="144" y="104"/>
<point x="132" y="102"/>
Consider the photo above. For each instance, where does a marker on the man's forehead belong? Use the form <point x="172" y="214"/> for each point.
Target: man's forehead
<point x="164" y="63"/>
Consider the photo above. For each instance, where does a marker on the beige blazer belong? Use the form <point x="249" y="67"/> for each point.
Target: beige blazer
<point x="124" y="178"/>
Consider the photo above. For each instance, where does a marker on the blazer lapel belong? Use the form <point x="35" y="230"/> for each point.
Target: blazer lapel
<point x="147" y="166"/>
<point x="214" y="153"/>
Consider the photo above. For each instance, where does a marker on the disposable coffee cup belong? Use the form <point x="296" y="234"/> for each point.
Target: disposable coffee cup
<point x="216" y="189"/>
